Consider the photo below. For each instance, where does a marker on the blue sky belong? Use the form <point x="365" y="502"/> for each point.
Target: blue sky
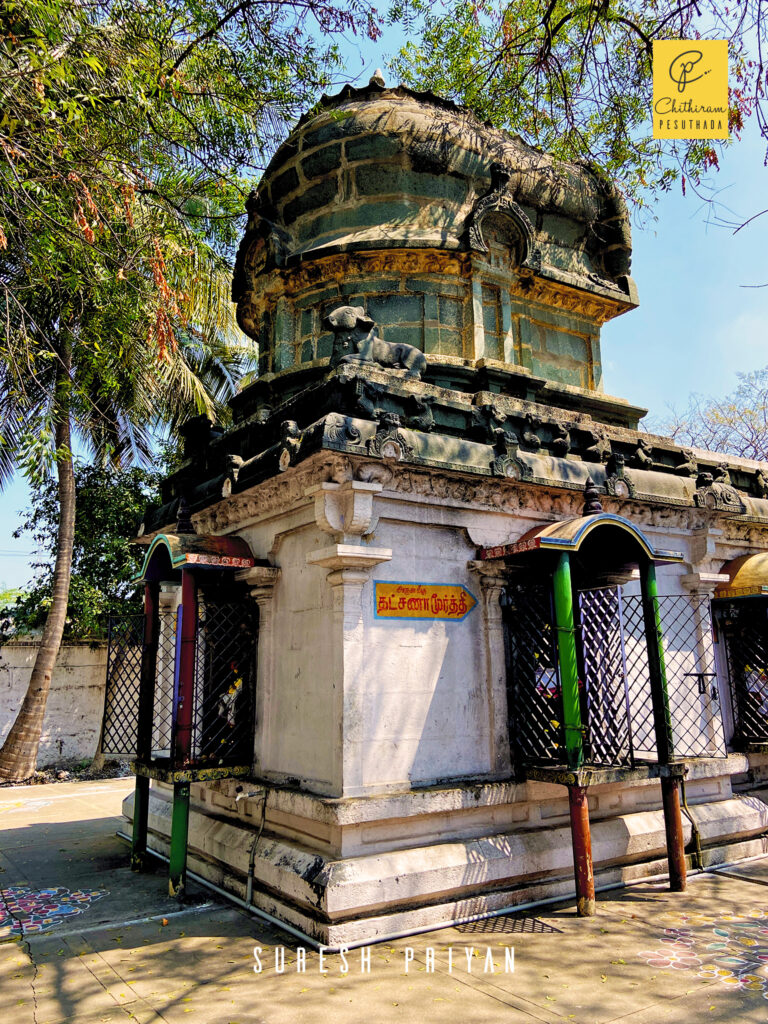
<point x="697" y="326"/>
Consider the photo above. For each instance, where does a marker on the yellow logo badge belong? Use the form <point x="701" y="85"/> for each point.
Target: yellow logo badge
<point x="690" y="89"/>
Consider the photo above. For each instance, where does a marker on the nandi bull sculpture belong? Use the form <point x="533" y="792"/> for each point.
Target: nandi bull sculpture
<point x="356" y="340"/>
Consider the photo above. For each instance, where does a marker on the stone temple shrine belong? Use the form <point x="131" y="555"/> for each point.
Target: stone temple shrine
<point x="433" y="630"/>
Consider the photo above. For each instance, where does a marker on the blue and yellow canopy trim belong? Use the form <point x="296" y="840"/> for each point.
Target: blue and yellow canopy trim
<point x="747" y="577"/>
<point x="570" y="534"/>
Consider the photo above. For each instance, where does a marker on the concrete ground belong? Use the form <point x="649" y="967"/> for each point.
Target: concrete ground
<point x="82" y="939"/>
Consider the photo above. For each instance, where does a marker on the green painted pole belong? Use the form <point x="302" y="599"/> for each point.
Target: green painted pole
<point x="581" y="835"/>
<point x="657" y="669"/>
<point x="566" y="656"/>
<point x="177" y="865"/>
<point x="654" y="638"/>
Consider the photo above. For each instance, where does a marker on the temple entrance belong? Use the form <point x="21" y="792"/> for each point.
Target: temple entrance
<point x="217" y="719"/>
<point x="603" y="680"/>
<point x="181" y="679"/>
<point x="743" y="626"/>
<point x="615" y="700"/>
<point x="740" y="607"/>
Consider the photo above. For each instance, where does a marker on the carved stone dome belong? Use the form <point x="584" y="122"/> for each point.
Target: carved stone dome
<point x="408" y="205"/>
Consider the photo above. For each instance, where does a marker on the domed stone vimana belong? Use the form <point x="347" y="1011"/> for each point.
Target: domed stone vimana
<point x="432" y="629"/>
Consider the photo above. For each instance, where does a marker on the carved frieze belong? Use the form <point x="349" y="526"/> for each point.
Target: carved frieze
<point x="717" y="495"/>
<point x="598" y="446"/>
<point x="389" y="442"/>
<point x="689" y="466"/>
<point x="642" y="457"/>
<point x="561" y="439"/>
<point x="530" y="439"/>
<point x="290" y="443"/>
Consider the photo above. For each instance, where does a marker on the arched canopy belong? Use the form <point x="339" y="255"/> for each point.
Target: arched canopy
<point x="174" y="551"/>
<point x="747" y="577"/>
<point x="580" y="533"/>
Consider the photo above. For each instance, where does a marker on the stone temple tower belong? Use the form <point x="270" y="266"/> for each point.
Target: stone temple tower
<point x="430" y="624"/>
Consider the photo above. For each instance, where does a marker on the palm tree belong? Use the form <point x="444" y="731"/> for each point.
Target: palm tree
<point x="78" y="364"/>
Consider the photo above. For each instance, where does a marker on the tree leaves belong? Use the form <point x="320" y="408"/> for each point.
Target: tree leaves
<point x="575" y="80"/>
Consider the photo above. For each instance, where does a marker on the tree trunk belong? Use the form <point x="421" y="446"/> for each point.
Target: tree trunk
<point x="18" y="756"/>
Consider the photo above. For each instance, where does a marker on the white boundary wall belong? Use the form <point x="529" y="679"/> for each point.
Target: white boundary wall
<point x="75" y="703"/>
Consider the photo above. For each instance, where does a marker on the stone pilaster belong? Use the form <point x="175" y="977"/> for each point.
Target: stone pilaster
<point x="716" y="712"/>
<point x="492" y="579"/>
<point x="261" y="580"/>
<point x="345" y="511"/>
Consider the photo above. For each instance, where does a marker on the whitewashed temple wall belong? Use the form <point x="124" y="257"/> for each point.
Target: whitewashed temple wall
<point x="358" y="705"/>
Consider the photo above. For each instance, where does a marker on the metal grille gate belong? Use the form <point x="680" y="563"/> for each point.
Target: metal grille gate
<point x="744" y="626"/>
<point x="605" y="693"/>
<point x="225" y="676"/>
<point x="616" y="702"/>
<point x="694" y="696"/>
<point x="224" y="685"/>
<point x="125" y="644"/>
<point x="534" y="697"/>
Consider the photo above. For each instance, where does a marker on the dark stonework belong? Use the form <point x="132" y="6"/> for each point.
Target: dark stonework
<point x="356" y="340"/>
<point x="430" y="290"/>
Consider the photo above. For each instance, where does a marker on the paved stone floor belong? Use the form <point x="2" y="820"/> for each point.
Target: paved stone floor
<point x="100" y="944"/>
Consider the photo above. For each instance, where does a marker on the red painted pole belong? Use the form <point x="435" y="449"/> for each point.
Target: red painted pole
<point x="582" y="851"/>
<point x="673" y="824"/>
<point x="185" y="685"/>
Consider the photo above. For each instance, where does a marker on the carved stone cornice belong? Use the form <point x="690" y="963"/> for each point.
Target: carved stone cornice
<point x="345" y="510"/>
<point x="341" y="266"/>
<point x="288" y="491"/>
<point x="261" y="579"/>
<point x="278" y="493"/>
<point x="357" y="557"/>
<point x="591" y="306"/>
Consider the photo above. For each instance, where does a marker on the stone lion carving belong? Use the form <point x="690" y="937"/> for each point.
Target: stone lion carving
<point x="356" y="340"/>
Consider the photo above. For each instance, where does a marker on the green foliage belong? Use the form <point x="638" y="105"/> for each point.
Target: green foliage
<point x="130" y="135"/>
<point x="575" y="79"/>
<point x="110" y="505"/>
<point x="8" y="595"/>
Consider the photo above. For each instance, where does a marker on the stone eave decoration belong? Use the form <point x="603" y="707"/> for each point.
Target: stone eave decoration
<point x="506" y="461"/>
<point x="618" y="482"/>
<point x="714" y="492"/>
<point x="389" y="442"/>
<point x="498" y="199"/>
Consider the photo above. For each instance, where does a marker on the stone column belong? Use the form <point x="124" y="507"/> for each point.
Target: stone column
<point x="492" y="578"/>
<point x="166" y="657"/>
<point x="345" y="511"/>
<point x="701" y="586"/>
<point x="261" y="580"/>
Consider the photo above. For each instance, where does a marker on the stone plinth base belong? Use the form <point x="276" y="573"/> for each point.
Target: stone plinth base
<point x="354" y="870"/>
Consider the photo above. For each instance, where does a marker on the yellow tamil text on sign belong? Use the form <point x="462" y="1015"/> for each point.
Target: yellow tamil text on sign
<point x="422" y="601"/>
<point x="690" y="89"/>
